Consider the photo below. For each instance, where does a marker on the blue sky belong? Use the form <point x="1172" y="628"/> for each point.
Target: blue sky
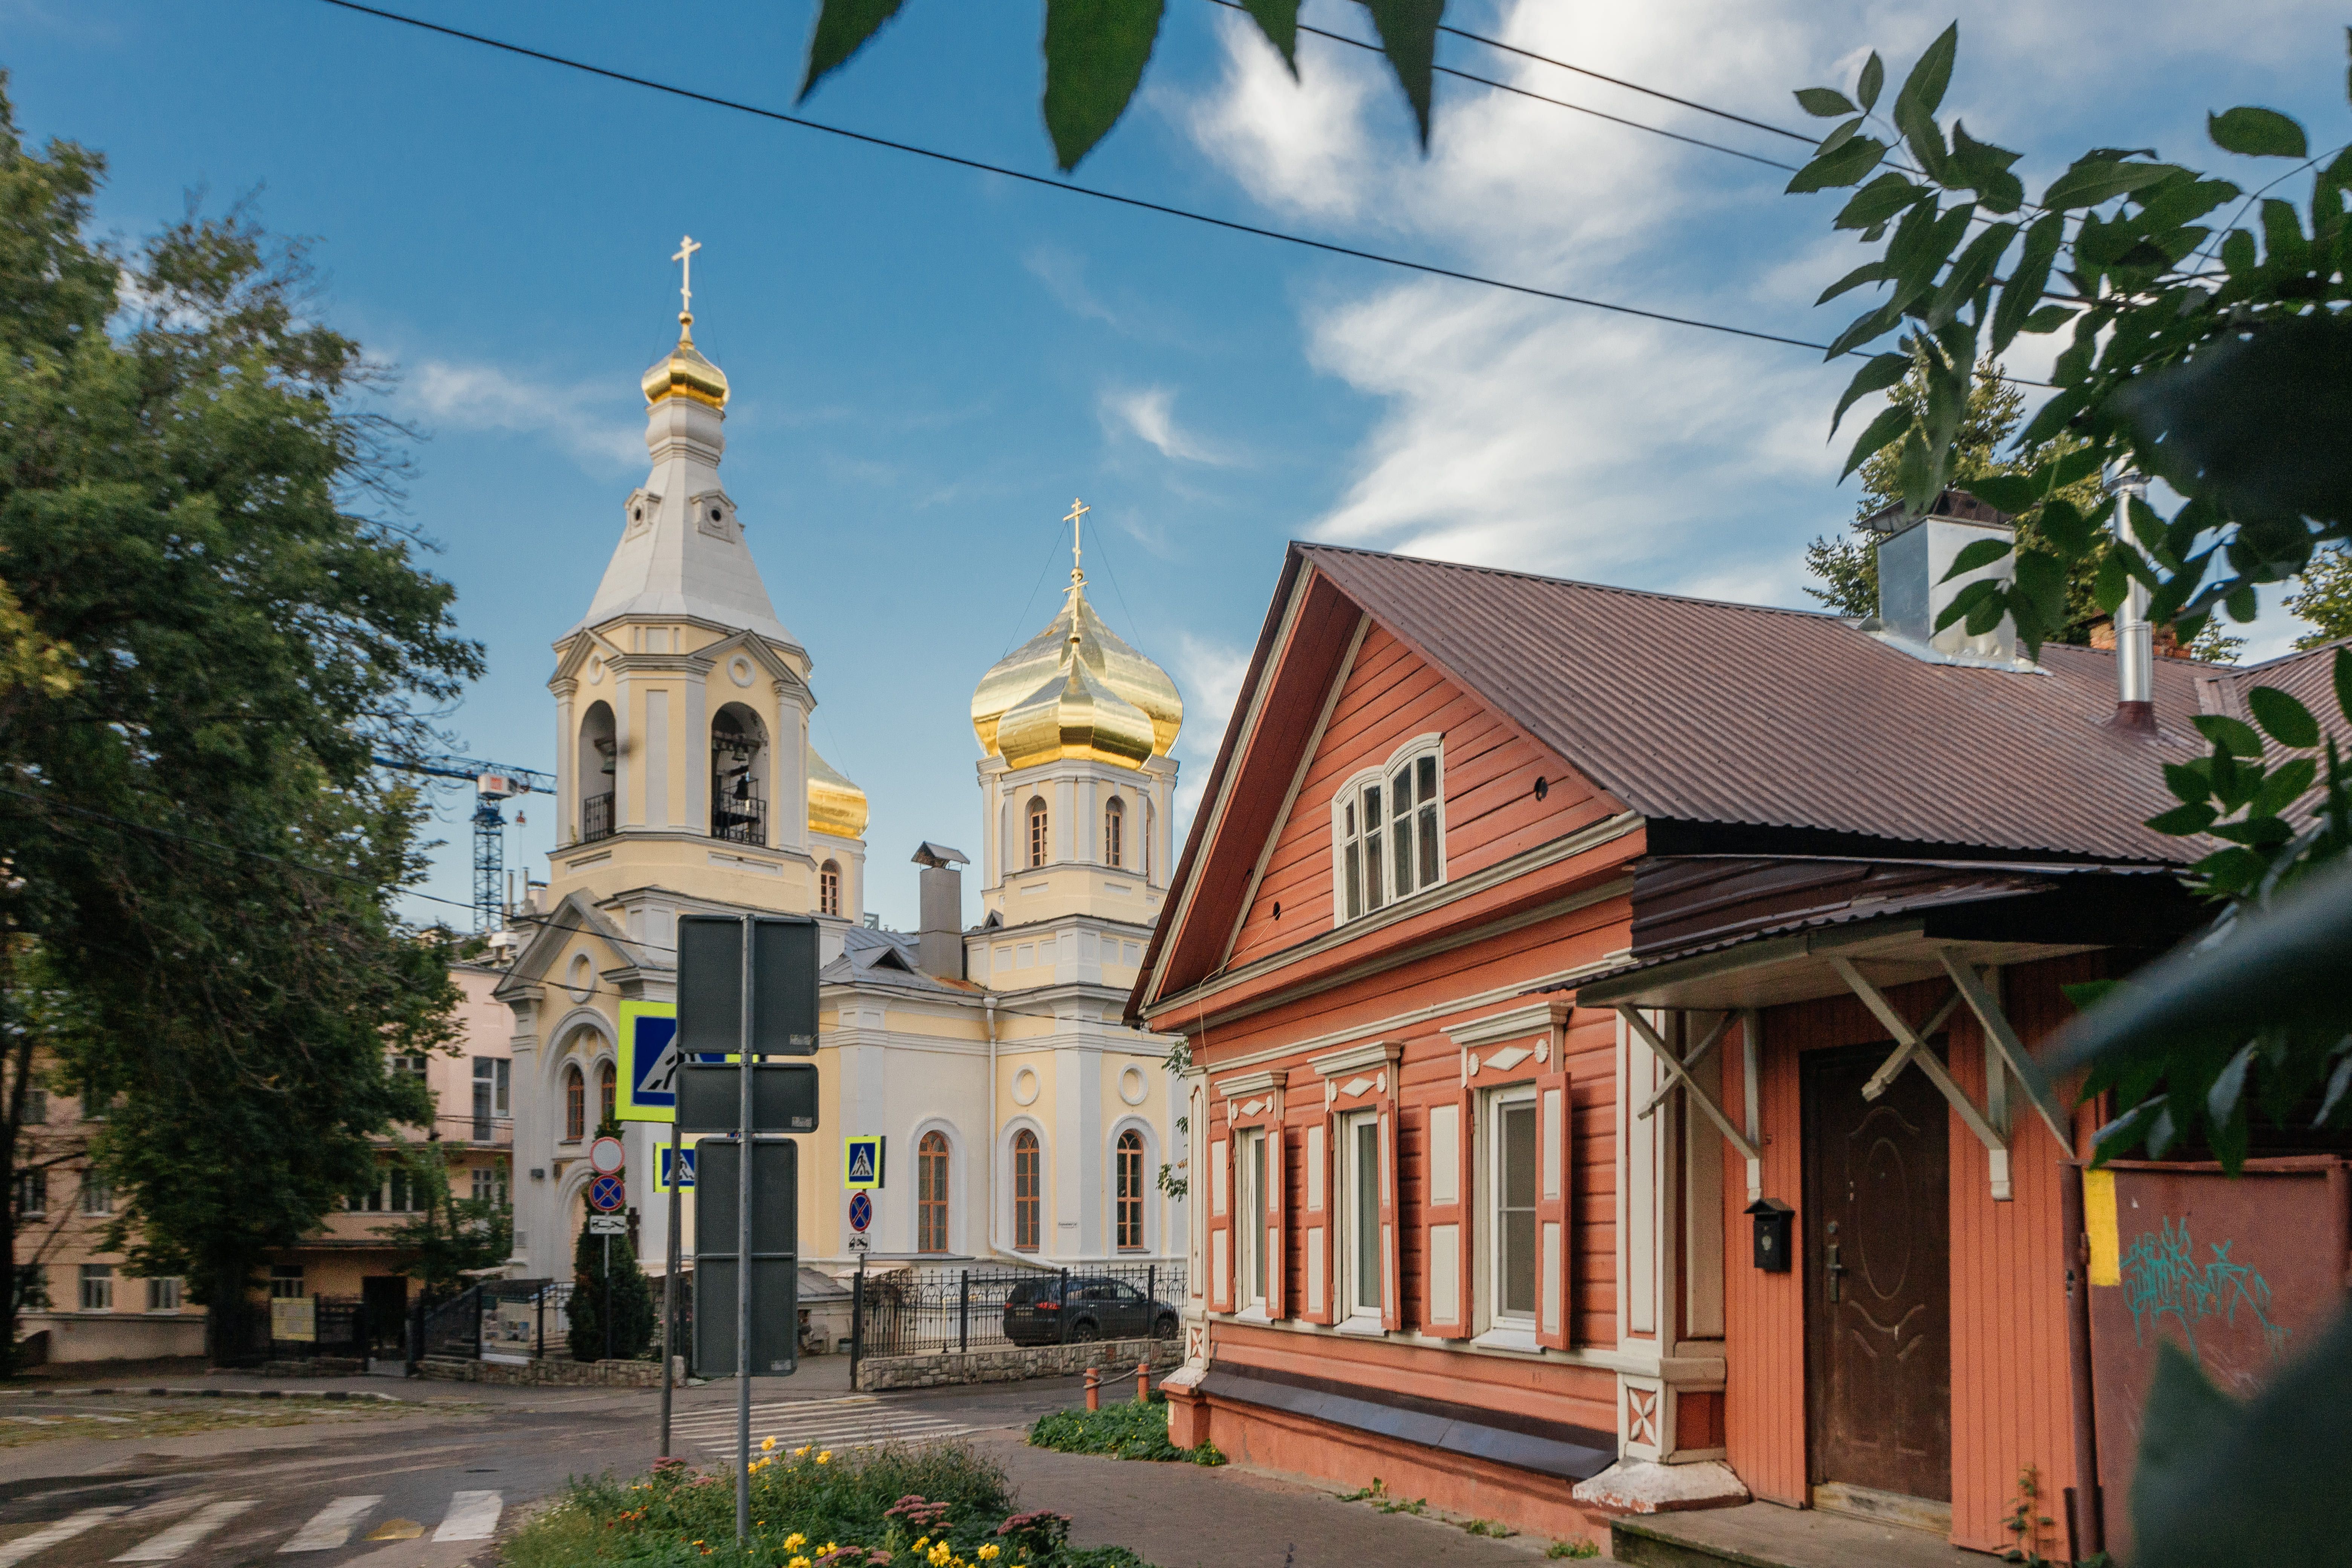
<point x="928" y="363"/>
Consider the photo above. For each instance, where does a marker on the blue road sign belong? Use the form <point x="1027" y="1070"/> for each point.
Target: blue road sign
<point x="861" y="1211"/>
<point x="606" y="1194"/>
<point x="685" y="1170"/>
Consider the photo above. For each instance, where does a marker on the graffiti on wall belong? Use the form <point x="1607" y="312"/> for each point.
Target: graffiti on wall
<point x="2162" y="1278"/>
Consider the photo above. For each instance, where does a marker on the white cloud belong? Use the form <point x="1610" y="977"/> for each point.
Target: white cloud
<point x="483" y="397"/>
<point x="1149" y="413"/>
<point x="1063" y="275"/>
<point x="1209" y="675"/>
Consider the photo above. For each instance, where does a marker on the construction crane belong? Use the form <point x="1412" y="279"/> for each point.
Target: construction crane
<point x="494" y="783"/>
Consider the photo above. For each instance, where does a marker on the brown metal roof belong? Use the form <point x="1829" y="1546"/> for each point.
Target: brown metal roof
<point x="1697" y="711"/>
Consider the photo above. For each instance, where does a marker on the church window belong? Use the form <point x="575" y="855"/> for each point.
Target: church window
<point x="575" y="1105"/>
<point x="931" y="1193"/>
<point x="1115" y="833"/>
<point x="1388" y="831"/>
<point x="828" y="889"/>
<point x="1038" y="842"/>
<point x="598" y="750"/>
<point x="1028" y="1197"/>
<point x="1130" y="1190"/>
<point x="606" y="1081"/>
<point x="738" y="796"/>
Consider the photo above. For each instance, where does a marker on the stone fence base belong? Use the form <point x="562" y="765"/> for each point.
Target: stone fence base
<point x="1007" y="1364"/>
<point x="315" y="1366"/>
<point x="616" y="1373"/>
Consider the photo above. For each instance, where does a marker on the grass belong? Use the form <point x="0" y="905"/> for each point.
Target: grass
<point x="45" y="1421"/>
<point x="1582" y="1546"/>
<point x="1129" y="1431"/>
<point x="809" y="1510"/>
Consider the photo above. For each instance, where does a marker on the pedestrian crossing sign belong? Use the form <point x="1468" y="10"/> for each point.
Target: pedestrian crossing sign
<point x="649" y="1062"/>
<point x="861" y="1163"/>
<point x="685" y="1170"/>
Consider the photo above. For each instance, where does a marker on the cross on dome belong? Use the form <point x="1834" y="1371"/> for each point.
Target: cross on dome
<point x="1075" y="518"/>
<point x="685" y="259"/>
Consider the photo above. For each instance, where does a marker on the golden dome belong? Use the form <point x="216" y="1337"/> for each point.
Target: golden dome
<point x="835" y="805"/>
<point x="1075" y="691"/>
<point x="683" y="372"/>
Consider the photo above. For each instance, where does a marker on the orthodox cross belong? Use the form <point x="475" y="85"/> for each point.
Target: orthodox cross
<point x="685" y="259"/>
<point x="1075" y="518"/>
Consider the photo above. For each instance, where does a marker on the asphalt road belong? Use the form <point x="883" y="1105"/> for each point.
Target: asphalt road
<point x="428" y="1486"/>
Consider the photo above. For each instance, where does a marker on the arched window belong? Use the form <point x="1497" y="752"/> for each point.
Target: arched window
<point x="575" y="1105"/>
<point x="1115" y="833"/>
<point x="1388" y="831"/>
<point x="739" y="776"/>
<point x="1038" y="845"/>
<point x="597" y="752"/>
<point x="1027" y="1180"/>
<point x="1130" y="1190"/>
<point x="931" y="1193"/>
<point x="606" y="1081"/>
<point x="828" y="889"/>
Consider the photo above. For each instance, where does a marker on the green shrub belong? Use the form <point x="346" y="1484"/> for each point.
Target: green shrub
<point x="1129" y="1431"/>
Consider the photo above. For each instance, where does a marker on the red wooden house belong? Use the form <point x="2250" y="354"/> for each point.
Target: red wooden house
<point x="1551" y="954"/>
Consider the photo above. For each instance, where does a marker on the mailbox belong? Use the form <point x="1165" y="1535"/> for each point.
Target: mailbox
<point x="1775" y="1226"/>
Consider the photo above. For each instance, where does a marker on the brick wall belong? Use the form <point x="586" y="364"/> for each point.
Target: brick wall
<point x="1117" y="1357"/>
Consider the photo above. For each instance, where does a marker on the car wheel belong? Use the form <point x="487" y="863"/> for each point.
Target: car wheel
<point x="1165" y="1329"/>
<point x="1084" y="1332"/>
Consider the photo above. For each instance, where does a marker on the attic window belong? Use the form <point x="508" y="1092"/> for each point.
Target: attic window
<point x="638" y="515"/>
<point x="716" y="516"/>
<point x="1388" y="830"/>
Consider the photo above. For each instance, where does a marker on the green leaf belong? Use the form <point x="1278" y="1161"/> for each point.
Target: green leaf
<point x="1095" y="54"/>
<point x="2067" y="528"/>
<point x="2255" y="832"/>
<point x="1982" y="592"/>
<point x="2048" y="319"/>
<point x="1983" y="168"/>
<point x="2231" y="737"/>
<point x="1874" y="76"/>
<point x="2282" y="718"/>
<point x="2012" y="493"/>
<point x="1840" y="136"/>
<point x="1877" y="373"/>
<point x="1408" y="30"/>
<point x="2285" y="785"/>
<point x="2092" y="182"/>
<point x="2022" y="295"/>
<point x="1915" y="474"/>
<point x="1845" y="166"/>
<point x="1923" y="136"/>
<point x="1881" y="199"/>
<point x="2042" y="580"/>
<point x="2184" y="821"/>
<point x="1970" y="271"/>
<point x="2189" y="783"/>
<point x="2257" y="133"/>
<point x="1864" y="327"/>
<point x="1888" y="427"/>
<point x="842" y="28"/>
<point x="1923" y="89"/>
<point x="2109" y="585"/>
<point x="1974" y="554"/>
<point x="1871" y="273"/>
<point x="1824" y="102"/>
<point x="1279" y="20"/>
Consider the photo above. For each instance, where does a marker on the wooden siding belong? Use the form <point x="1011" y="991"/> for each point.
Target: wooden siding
<point x="1491" y="810"/>
<point x="2009" y="1398"/>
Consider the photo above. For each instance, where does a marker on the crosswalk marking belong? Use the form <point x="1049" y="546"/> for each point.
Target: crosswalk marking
<point x="850" y="1421"/>
<point x="167" y="1544"/>
<point x="48" y="1535"/>
<point x="472" y="1516"/>
<point x="332" y="1525"/>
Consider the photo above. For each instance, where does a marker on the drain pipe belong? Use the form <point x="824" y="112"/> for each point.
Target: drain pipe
<point x="2135" y="638"/>
<point x="988" y="1005"/>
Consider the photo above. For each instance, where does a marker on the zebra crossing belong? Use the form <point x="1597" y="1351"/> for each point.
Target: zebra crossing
<point x="192" y="1519"/>
<point x="851" y="1421"/>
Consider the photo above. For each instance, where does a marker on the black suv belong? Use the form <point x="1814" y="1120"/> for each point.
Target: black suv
<point x="1098" y="1309"/>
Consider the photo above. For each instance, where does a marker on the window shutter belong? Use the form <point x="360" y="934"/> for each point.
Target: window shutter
<point x="1317" y="1226"/>
<point x="1554" y="1189"/>
<point x="1277" y="1228"/>
<point x="1391" y="1237"/>
<point x="1221" y="1222"/>
<point x="1445" y="1251"/>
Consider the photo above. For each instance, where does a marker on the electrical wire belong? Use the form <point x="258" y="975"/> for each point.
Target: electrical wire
<point x="1629" y="86"/>
<point x="1427" y="268"/>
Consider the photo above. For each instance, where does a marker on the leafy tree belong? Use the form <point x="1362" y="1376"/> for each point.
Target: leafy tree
<point x="635" y="1315"/>
<point x="448" y="1236"/>
<point x="2325" y="598"/>
<point x="215" y="632"/>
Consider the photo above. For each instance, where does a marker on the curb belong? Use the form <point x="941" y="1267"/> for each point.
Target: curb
<point x="337" y="1394"/>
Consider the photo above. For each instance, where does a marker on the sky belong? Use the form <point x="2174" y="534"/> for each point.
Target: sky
<point x="928" y="363"/>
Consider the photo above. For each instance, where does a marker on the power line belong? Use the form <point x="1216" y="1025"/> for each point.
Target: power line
<point x="1541" y="97"/>
<point x="1428" y="269"/>
<point x="1629" y="86"/>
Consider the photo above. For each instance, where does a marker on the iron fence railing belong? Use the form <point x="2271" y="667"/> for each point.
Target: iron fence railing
<point x="919" y="1311"/>
<point x="596" y="817"/>
<point x="527" y="1318"/>
<point x="739" y="818"/>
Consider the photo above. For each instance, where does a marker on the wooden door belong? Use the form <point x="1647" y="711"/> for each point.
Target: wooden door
<point x="1878" y="1297"/>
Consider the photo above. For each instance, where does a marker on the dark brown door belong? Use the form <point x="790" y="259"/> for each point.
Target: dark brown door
<point x="1878" y="1297"/>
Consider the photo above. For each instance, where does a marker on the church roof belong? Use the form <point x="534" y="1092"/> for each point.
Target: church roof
<point x="887" y="958"/>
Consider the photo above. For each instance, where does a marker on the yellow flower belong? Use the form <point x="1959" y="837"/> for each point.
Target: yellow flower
<point x="766" y="1444"/>
<point x="798" y="1563"/>
<point x="802" y="1449"/>
<point x="921" y="1541"/>
<point x="825" y="1457"/>
<point x="795" y="1541"/>
<point x="988" y="1553"/>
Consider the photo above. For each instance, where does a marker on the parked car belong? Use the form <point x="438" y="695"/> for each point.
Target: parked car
<point x="1098" y="1309"/>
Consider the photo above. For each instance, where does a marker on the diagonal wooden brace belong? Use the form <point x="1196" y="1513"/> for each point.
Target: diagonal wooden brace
<point x="1689" y="1061"/>
<point x="1911" y="1046"/>
<point x="2002" y="1040"/>
<point x="1705" y="1102"/>
<point x="1902" y="1056"/>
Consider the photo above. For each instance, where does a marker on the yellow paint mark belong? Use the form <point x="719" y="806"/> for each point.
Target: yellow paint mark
<point x="396" y="1530"/>
<point x="2099" y="1219"/>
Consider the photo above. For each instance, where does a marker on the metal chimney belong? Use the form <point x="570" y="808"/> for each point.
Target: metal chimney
<point x="1912" y="560"/>
<point x="938" y="944"/>
<point x="2135" y="637"/>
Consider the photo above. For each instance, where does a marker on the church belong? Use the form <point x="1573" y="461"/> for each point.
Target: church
<point x="1022" y="1121"/>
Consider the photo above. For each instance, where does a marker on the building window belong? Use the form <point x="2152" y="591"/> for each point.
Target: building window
<point x="1038" y="844"/>
<point x="404" y="1197"/>
<point x="413" y="1067"/>
<point x="1115" y="833"/>
<point x="1130" y="1190"/>
<point x="1359" y="1216"/>
<point x="1028" y="1181"/>
<point x="738" y="776"/>
<point x="931" y="1193"/>
<point x="1387" y="832"/>
<point x="97" y="1287"/>
<point x="285" y="1281"/>
<point x="1249" y="1179"/>
<point x="575" y="1105"/>
<point x="828" y="890"/>
<point x="491" y="1086"/>
<point x="1511" y="1203"/>
<point x="32" y="1195"/>
<point x="163" y="1294"/>
<point x="607" y="1080"/>
<point x="97" y="1193"/>
<point x="32" y="1288"/>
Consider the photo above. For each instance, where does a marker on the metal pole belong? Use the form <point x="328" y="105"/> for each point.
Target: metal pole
<point x="2135" y="637"/>
<point x="856" y="1323"/>
<point x="538" y="1314"/>
<point x="963" y="1315"/>
<point x="608" y="1295"/>
<point x="1063" y="1302"/>
<point x="669" y="1278"/>
<point x="743" y="1256"/>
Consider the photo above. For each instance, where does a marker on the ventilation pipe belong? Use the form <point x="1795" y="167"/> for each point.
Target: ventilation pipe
<point x="939" y="945"/>
<point x="2135" y="637"/>
<point x="1914" y="555"/>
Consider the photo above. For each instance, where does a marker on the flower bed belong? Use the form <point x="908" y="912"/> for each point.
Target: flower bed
<point x="941" y="1506"/>
<point x="1131" y="1430"/>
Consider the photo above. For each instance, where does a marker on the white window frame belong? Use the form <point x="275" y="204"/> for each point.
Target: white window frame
<point x="163" y="1293"/>
<point x="97" y="1195"/>
<point x="1251" y="1269"/>
<point x="1356" y="1315"/>
<point x="1515" y="1329"/>
<point x="97" y="1280"/>
<point x="1377" y="887"/>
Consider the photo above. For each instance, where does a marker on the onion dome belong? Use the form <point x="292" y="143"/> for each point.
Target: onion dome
<point x="1075" y="691"/>
<point x="683" y="372"/>
<point x="835" y="805"/>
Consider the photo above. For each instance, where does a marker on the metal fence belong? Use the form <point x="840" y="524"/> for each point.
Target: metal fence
<point x="341" y="1327"/>
<point x="920" y="1311"/>
<point x="499" y="1317"/>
